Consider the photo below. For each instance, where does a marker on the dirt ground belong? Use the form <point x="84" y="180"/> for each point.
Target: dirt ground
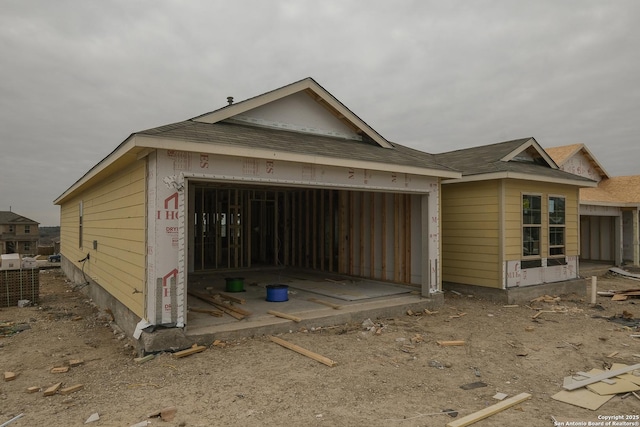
<point x="389" y="372"/>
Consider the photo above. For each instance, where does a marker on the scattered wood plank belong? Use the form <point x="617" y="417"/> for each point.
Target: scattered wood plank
<point x="211" y="312"/>
<point x="60" y="370"/>
<point x="10" y="376"/>
<point x="234" y="312"/>
<point x="327" y="303"/>
<point x="599" y="377"/>
<point x="315" y="356"/>
<point x="141" y="360"/>
<point x="71" y="389"/>
<point x="285" y="315"/>
<point x="75" y="362"/>
<point x="33" y="389"/>
<point x="52" y="390"/>
<point x="489" y="411"/>
<point x="588" y="375"/>
<point x="232" y="298"/>
<point x="188" y="352"/>
<point x="450" y="343"/>
<point x="582" y="398"/>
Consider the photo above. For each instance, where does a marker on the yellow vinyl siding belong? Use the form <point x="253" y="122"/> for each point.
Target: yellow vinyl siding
<point x="470" y="233"/>
<point x="114" y="217"/>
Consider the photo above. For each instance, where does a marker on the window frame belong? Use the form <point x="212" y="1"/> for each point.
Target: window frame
<point x="531" y="225"/>
<point x="557" y="225"/>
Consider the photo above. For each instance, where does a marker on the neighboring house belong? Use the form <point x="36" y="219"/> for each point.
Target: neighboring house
<point x="511" y="220"/>
<point x="609" y="220"/>
<point x="290" y="178"/>
<point x="17" y="234"/>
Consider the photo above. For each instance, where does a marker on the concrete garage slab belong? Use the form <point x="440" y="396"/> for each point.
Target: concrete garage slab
<point x="203" y="329"/>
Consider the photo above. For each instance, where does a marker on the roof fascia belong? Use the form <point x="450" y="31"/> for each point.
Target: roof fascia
<point x="531" y="142"/>
<point x="145" y="141"/>
<point x="323" y="97"/>
<point x="520" y="176"/>
<point x="610" y="204"/>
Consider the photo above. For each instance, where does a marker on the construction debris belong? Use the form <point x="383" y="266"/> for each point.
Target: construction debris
<point x="71" y="389"/>
<point x="52" y="390"/>
<point x="489" y="411"/>
<point x="285" y="315"/>
<point x="10" y="376"/>
<point x="188" y="352"/>
<point x="593" y="389"/>
<point x="303" y="351"/>
<point x="450" y="343"/>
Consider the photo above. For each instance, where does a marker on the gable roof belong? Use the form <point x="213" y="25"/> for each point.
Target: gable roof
<point x="615" y="191"/>
<point x="8" y="217"/>
<point x="519" y="158"/>
<point x="564" y="153"/>
<point x="217" y="133"/>
<point x="293" y="146"/>
<point x="311" y="88"/>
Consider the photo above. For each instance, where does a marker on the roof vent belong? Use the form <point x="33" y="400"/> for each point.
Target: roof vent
<point x="230" y="99"/>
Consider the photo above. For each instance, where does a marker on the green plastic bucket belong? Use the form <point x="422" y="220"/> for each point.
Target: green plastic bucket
<point x="234" y="284"/>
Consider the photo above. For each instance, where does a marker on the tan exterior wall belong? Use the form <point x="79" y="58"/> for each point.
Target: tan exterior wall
<point x="113" y="217"/>
<point x="477" y="238"/>
<point x="514" y="189"/>
<point x="471" y="233"/>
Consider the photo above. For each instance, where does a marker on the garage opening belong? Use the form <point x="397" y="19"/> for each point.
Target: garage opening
<point x="368" y="234"/>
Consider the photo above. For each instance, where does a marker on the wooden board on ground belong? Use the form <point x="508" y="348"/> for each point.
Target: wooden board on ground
<point x="598" y="377"/>
<point x="582" y="398"/>
<point x="188" y="352"/>
<point x="52" y="390"/>
<point x="315" y="356"/>
<point x="629" y="376"/>
<point x="489" y="411"/>
<point x="232" y="298"/>
<point x="449" y="343"/>
<point x="285" y="315"/>
<point x="71" y="389"/>
<point x="60" y="370"/>
<point x="216" y="313"/>
<point x="234" y="312"/>
<point x="327" y="303"/>
<point x="9" y="376"/>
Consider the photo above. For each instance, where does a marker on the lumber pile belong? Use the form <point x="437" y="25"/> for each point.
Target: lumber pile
<point x="622" y="295"/>
<point x="220" y="304"/>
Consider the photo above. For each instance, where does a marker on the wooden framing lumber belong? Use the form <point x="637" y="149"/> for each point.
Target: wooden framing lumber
<point x="489" y="411"/>
<point x="52" y="390"/>
<point x="209" y="311"/>
<point x="315" y="356"/>
<point x="599" y="377"/>
<point x="9" y="376"/>
<point x="285" y="315"/>
<point x="233" y="298"/>
<point x="235" y="312"/>
<point x="450" y="343"/>
<point x="327" y="303"/>
<point x="188" y="352"/>
<point x="71" y="389"/>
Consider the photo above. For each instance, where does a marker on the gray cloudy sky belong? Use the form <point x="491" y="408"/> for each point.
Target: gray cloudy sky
<point x="78" y="77"/>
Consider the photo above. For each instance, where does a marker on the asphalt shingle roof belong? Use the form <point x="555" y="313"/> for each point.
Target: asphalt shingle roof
<point x="8" y="217"/>
<point x="293" y="142"/>
<point x="486" y="159"/>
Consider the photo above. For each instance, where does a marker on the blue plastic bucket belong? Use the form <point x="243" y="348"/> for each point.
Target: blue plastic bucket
<point x="277" y="293"/>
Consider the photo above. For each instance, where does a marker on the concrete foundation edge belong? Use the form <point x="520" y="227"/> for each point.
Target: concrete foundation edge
<point x="174" y="339"/>
<point x="523" y="294"/>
